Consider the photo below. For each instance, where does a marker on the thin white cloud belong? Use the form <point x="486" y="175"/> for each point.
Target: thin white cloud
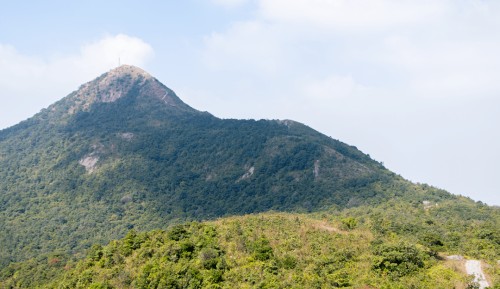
<point x="439" y="48"/>
<point x="229" y="3"/>
<point x="447" y="67"/>
<point x="352" y="14"/>
<point x="37" y="82"/>
<point x="251" y="46"/>
<point x="105" y="53"/>
<point x="332" y="87"/>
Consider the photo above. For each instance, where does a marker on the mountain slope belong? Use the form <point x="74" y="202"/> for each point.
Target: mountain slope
<point x="125" y="152"/>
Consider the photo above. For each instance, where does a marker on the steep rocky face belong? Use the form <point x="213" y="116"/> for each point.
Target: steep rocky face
<point x="123" y="81"/>
<point x="112" y="85"/>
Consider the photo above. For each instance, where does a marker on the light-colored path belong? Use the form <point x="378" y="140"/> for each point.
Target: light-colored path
<point x="473" y="267"/>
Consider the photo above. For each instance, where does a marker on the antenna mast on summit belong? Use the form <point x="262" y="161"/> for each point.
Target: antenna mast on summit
<point x="118" y="61"/>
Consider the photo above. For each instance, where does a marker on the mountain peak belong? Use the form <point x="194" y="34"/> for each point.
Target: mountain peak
<point x="130" y="70"/>
<point x="114" y="84"/>
<point x="122" y="81"/>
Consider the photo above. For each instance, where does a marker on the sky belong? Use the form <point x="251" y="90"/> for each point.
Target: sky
<point x="413" y="83"/>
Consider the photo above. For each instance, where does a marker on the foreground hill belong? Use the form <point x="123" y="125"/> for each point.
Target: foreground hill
<point x="364" y="247"/>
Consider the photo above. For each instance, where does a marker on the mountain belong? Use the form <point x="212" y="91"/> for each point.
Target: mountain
<point x="124" y="152"/>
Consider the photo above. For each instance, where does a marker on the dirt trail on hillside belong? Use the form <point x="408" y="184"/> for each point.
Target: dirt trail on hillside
<point x="473" y="267"/>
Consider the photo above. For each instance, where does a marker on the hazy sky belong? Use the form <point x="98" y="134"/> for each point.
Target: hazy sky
<point x="415" y="84"/>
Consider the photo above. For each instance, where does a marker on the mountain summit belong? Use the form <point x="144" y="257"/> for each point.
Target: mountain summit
<point x="124" y="83"/>
<point x="125" y="152"/>
<point x="115" y="84"/>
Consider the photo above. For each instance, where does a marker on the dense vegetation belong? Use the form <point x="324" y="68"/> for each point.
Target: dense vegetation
<point x="362" y="247"/>
<point x="156" y="164"/>
<point x="84" y="172"/>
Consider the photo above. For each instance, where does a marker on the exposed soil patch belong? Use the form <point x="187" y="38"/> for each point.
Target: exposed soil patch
<point x="89" y="162"/>
<point x="127" y="136"/>
<point x="248" y="174"/>
<point x="327" y="227"/>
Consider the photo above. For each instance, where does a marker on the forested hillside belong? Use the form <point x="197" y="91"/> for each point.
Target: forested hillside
<point x="124" y="153"/>
<point x="395" y="245"/>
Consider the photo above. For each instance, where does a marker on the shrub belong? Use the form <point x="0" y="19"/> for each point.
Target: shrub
<point x="397" y="260"/>
<point x="349" y="223"/>
<point x="262" y="250"/>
